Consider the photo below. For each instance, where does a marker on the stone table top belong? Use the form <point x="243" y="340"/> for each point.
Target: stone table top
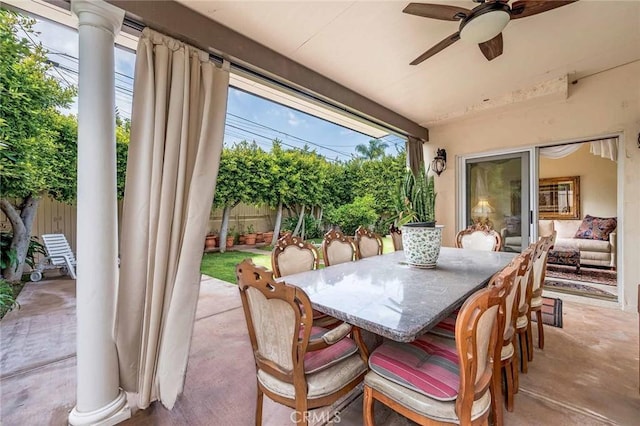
<point x="384" y="295"/>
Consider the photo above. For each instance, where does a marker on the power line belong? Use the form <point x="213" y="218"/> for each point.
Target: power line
<point x="272" y="140"/>
<point x="292" y="136"/>
<point x="34" y="44"/>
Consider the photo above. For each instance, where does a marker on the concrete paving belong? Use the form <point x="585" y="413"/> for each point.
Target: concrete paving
<point x="586" y="375"/>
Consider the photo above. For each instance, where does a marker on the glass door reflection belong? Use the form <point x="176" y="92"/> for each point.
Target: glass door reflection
<point x="497" y="195"/>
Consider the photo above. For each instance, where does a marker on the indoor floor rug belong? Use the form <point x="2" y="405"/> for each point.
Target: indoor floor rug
<point x="551" y="312"/>
<point x="592" y="275"/>
<point x="578" y="289"/>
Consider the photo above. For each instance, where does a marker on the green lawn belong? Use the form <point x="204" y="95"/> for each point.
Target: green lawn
<point x="223" y="265"/>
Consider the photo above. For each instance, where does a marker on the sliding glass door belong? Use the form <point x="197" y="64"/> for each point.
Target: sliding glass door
<point x="497" y="194"/>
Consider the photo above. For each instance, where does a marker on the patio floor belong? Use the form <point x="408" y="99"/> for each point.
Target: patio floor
<point x="587" y="374"/>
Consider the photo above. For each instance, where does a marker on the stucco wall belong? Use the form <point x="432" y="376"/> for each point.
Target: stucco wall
<point x="603" y="103"/>
<point x="598" y="182"/>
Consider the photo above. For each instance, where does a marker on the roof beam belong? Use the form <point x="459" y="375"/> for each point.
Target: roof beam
<point x="179" y="21"/>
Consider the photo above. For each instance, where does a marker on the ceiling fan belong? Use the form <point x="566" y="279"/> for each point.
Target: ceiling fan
<point x="483" y="24"/>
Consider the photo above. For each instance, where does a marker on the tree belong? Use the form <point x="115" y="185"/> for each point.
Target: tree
<point x="242" y="177"/>
<point x="374" y="150"/>
<point x="278" y="193"/>
<point x="29" y="130"/>
<point x="379" y="178"/>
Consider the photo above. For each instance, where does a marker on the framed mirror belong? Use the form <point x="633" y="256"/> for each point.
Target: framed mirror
<point x="559" y="198"/>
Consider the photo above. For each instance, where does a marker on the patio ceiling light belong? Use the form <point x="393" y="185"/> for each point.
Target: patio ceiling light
<point x="485" y="23"/>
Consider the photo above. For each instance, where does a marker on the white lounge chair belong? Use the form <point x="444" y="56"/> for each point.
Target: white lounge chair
<point x="59" y="255"/>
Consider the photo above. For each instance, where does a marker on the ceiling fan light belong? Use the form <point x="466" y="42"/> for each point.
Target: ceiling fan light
<point x="485" y="27"/>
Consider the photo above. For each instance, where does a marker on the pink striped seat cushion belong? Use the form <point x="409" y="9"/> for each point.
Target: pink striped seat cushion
<point x="446" y="327"/>
<point x="319" y="360"/>
<point x="428" y="365"/>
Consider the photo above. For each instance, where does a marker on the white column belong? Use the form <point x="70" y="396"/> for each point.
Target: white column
<point x="100" y="400"/>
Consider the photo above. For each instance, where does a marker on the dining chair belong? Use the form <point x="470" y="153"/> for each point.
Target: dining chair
<point x="539" y="275"/>
<point x="523" y="321"/>
<point x="297" y="365"/>
<point x="435" y="380"/>
<point x="292" y="255"/>
<point x="479" y="237"/>
<point x="337" y="248"/>
<point x="508" y="354"/>
<point x="368" y="243"/>
<point x="396" y="238"/>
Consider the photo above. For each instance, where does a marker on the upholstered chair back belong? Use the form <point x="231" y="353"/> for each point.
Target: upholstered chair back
<point x="292" y="255"/>
<point x="523" y="265"/>
<point x="272" y="319"/>
<point x="396" y="238"/>
<point x="479" y="237"/>
<point x="479" y="330"/>
<point x="540" y="263"/>
<point x="275" y="314"/>
<point x="337" y="248"/>
<point x="368" y="243"/>
<point x="526" y="281"/>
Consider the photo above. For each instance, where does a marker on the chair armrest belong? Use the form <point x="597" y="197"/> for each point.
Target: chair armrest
<point x="330" y="337"/>
<point x="337" y="334"/>
<point x="503" y="233"/>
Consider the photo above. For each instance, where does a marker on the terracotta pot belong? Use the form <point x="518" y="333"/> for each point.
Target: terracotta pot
<point x="250" y="239"/>
<point x="268" y="236"/>
<point x="259" y="237"/>
<point x="229" y="242"/>
<point x="242" y="239"/>
<point x="210" y="242"/>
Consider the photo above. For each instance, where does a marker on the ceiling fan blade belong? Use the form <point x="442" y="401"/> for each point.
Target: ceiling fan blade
<point x="524" y="8"/>
<point x="493" y="48"/>
<point x="437" y="48"/>
<point x="437" y="11"/>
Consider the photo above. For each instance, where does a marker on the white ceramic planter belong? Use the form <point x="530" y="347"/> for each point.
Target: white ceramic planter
<point x="421" y="244"/>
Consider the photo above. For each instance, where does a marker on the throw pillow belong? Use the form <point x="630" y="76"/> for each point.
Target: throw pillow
<point x="596" y="228"/>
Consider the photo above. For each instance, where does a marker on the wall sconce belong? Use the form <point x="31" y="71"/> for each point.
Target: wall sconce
<point x="439" y="163"/>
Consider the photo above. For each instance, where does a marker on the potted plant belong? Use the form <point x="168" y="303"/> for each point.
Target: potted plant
<point x="210" y="241"/>
<point x="416" y="200"/>
<point x="268" y="237"/>
<point x="231" y="238"/>
<point x="230" y="241"/>
<point x="250" y="236"/>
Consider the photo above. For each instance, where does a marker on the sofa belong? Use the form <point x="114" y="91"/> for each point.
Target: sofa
<point x="592" y="252"/>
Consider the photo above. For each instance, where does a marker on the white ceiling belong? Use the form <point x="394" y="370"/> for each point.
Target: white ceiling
<point x="367" y="46"/>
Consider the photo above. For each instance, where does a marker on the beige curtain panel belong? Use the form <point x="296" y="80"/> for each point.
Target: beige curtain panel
<point x="177" y="128"/>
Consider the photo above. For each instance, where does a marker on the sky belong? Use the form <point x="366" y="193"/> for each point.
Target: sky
<point x="249" y="117"/>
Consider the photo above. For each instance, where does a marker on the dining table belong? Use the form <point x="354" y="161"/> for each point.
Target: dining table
<point x="386" y="296"/>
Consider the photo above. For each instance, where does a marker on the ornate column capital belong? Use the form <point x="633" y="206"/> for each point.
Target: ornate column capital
<point x="98" y="13"/>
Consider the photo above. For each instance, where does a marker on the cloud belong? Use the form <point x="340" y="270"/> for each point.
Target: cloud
<point x="58" y="37"/>
<point x="345" y="132"/>
<point x="238" y="93"/>
<point x="294" y="120"/>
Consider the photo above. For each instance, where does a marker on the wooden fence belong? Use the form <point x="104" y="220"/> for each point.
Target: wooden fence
<point x="54" y="217"/>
